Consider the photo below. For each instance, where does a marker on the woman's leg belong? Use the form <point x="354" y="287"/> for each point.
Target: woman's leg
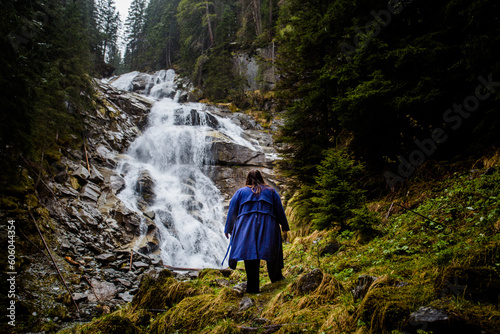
<point x="274" y="271"/>
<point x="252" y="270"/>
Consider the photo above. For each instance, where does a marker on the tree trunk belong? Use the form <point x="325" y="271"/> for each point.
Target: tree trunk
<point x="209" y="26"/>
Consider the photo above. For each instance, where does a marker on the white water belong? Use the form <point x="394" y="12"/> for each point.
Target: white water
<point x="174" y="150"/>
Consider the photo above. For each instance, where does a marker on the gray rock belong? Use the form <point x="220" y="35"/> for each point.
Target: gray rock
<point x="431" y="320"/>
<point x="81" y="173"/>
<point x="140" y="264"/>
<point x="78" y="296"/>
<point x="117" y="183"/>
<point x="124" y="282"/>
<point x="95" y="175"/>
<point x="246" y="303"/>
<point x="106" y="257"/>
<point x="102" y="291"/>
<point x="126" y="296"/>
<point x="240" y="288"/>
<point x="150" y="214"/>
<point x="90" y="191"/>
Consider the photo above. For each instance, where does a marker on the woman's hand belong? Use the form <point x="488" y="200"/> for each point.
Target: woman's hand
<point x="284" y="234"/>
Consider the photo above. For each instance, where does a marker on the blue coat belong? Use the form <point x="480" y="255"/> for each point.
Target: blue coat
<point x="254" y="224"/>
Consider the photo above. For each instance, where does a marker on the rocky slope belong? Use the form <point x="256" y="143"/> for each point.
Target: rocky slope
<point x="95" y="238"/>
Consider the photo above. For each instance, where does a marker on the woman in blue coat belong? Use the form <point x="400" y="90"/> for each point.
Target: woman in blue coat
<point x="253" y="221"/>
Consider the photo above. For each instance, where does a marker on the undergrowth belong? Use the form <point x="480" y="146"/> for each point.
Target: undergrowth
<point x="436" y="248"/>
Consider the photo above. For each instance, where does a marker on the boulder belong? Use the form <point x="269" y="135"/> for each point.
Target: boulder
<point x="101" y="291"/>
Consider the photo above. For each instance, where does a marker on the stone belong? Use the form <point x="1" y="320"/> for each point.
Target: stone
<point x="82" y="173"/>
<point x="90" y="191"/>
<point x="78" y="296"/>
<point x="126" y="296"/>
<point x="246" y="303"/>
<point x="86" y="218"/>
<point x="150" y="214"/>
<point x="140" y="264"/>
<point x="310" y="281"/>
<point x="240" y="288"/>
<point x="95" y="175"/>
<point x="145" y="187"/>
<point x="106" y="257"/>
<point x="124" y="282"/>
<point x="364" y="283"/>
<point x="116" y="183"/>
<point x="430" y="320"/>
<point x="101" y="291"/>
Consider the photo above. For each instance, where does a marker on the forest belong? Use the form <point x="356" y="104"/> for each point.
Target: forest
<point x="378" y="101"/>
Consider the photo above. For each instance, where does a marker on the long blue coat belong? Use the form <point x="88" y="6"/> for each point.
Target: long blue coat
<point x="254" y="224"/>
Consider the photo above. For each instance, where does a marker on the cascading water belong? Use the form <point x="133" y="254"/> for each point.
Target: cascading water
<point x="170" y="157"/>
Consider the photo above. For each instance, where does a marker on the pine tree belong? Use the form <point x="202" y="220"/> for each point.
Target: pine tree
<point x="134" y="35"/>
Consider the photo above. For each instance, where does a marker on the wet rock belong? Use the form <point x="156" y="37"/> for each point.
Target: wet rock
<point x="95" y="175"/>
<point x="90" y="191"/>
<point x="106" y="257"/>
<point x="145" y="187"/>
<point x="310" y="281"/>
<point x="117" y="183"/>
<point x="66" y="190"/>
<point x="82" y="173"/>
<point x="150" y="214"/>
<point x="102" y="291"/>
<point x="246" y="303"/>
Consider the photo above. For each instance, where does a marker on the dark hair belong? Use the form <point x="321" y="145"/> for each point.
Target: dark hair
<point x="255" y="181"/>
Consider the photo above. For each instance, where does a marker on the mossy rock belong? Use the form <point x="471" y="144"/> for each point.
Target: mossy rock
<point x="193" y="314"/>
<point x="162" y="292"/>
<point x="479" y="284"/>
<point x="111" y="324"/>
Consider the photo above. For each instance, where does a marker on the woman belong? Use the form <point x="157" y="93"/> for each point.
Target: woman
<point x="253" y="222"/>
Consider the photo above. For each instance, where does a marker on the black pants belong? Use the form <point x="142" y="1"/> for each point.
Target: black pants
<point x="252" y="270"/>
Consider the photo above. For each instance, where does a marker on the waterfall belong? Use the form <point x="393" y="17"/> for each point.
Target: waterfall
<point x="164" y="173"/>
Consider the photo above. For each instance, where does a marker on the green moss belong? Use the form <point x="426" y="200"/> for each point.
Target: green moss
<point x="195" y="313"/>
<point x="161" y="292"/>
<point x="110" y="324"/>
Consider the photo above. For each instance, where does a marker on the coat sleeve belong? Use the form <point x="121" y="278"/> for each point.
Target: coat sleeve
<point x="280" y="212"/>
<point x="232" y="213"/>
